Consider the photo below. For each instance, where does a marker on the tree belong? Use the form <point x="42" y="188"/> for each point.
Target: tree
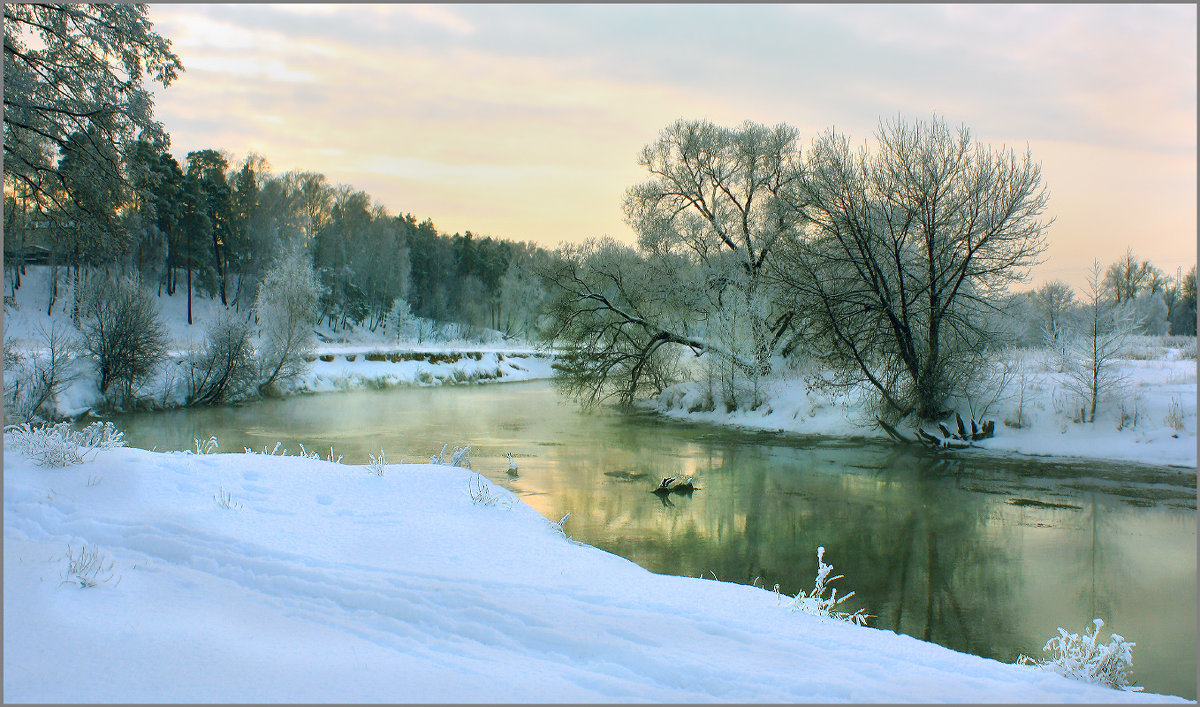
<point x="78" y="70"/>
<point x="1127" y="277"/>
<point x="724" y="196"/>
<point x="615" y="322"/>
<point x="1183" y="306"/>
<point x="286" y="308"/>
<point x="124" y="335"/>
<point x="1106" y="326"/>
<point x="904" y="251"/>
<point x="1054" y="301"/>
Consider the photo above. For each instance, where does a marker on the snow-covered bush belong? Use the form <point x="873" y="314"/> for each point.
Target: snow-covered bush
<point x="208" y="446"/>
<point x="816" y="604"/>
<point x="59" y="445"/>
<point x="86" y="568"/>
<point x="123" y="333"/>
<point x="1082" y="657"/>
<point x="225" y="367"/>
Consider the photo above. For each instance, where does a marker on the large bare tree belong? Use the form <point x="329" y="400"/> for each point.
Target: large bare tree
<point x="904" y="249"/>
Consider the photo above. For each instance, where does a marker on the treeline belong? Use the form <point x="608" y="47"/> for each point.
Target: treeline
<point x="1148" y="301"/>
<point x="214" y="226"/>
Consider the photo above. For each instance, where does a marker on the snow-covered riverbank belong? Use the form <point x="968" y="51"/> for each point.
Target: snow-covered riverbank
<point x="341" y="360"/>
<point x="322" y="582"/>
<point x="1151" y="419"/>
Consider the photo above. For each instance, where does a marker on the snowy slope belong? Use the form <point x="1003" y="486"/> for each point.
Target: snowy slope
<point x="327" y="583"/>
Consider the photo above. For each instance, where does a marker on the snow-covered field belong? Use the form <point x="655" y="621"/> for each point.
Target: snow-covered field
<point x="322" y="582"/>
<point x="1151" y="419"/>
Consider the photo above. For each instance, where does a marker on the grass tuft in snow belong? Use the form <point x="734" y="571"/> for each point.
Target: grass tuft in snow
<point x="483" y="494"/>
<point x="377" y="463"/>
<point x="59" y="445"/>
<point x="1174" y="417"/>
<point x="225" y="500"/>
<point x="1082" y="657"/>
<point x="208" y="446"/>
<point x="816" y="604"/>
<point x="86" y="568"/>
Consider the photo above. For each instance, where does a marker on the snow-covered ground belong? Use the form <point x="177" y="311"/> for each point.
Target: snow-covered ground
<point x="1151" y="419"/>
<point x="323" y="582"/>
<point x="340" y="358"/>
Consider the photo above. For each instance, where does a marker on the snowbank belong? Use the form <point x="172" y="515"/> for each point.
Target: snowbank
<point x="322" y="582"/>
<point x="1151" y="420"/>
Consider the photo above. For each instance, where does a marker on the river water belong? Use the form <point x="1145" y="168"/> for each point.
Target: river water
<point x="987" y="555"/>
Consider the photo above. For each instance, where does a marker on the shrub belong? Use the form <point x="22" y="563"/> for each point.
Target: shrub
<point x="59" y="445"/>
<point x="225" y="368"/>
<point x="1081" y="657"/>
<point x="286" y="307"/>
<point x="461" y="456"/>
<point x="480" y="490"/>
<point x="123" y="333"/>
<point x="32" y="385"/>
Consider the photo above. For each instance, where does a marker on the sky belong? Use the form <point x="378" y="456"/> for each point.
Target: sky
<point x="525" y="121"/>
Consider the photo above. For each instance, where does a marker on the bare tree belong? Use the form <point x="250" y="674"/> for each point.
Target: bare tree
<point x="905" y="249"/>
<point x="1127" y="277"/>
<point x="1106" y="327"/>
<point x="124" y="334"/>
<point x="725" y="197"/>
<point x="616" y="322"/>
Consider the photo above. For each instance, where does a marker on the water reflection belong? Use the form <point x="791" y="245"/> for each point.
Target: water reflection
<point x="983" y="555"/>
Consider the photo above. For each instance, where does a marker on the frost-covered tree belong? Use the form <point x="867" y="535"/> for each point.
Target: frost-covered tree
<point x="1148" y="311"/>
<point x="78" y="70"/>
<point x="401" y="323"/>
<point x="906" y="248"/>
<point x="1054" y="301"/>
<point x="286" y="308"/>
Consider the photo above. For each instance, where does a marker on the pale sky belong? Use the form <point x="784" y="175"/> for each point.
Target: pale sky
<point x="525" y="121"/>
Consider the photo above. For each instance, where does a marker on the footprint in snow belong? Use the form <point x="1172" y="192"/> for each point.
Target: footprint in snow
<point x="324" y="500"/>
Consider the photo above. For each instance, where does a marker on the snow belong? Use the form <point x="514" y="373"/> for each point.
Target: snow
<point x="1160" y="385"/>
<point x="326" y="583"/>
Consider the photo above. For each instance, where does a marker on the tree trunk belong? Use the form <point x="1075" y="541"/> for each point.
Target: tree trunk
<point x="189" y="292"/>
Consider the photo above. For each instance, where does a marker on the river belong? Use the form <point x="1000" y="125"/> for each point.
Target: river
<point x="983" y="554"/>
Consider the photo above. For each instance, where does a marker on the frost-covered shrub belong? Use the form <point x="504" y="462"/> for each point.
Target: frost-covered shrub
<point x="32" y="384"/>
<point x="816" y="604"/>
<point x="225" y="367"/>
<point x="225" y="500"/>
<point x="208" y="446"/>
<point x="123" y="333"/>
<point x="400" y="322"/>
<point x="59" y="445"/>
<point x="1082" y="657"/>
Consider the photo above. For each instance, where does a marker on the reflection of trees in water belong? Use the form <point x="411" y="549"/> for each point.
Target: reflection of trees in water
<point x="913" y="547"/>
